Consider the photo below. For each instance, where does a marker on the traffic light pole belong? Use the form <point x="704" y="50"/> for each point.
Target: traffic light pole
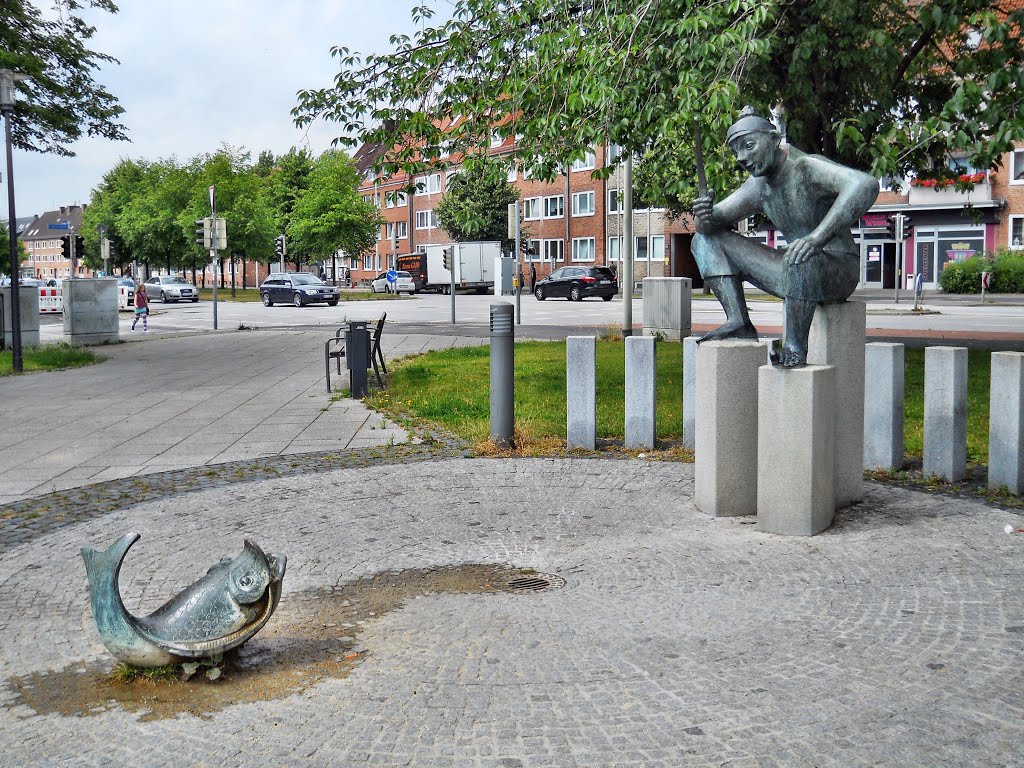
<point x="12" y="222"/>
<point x="213" y="250"/>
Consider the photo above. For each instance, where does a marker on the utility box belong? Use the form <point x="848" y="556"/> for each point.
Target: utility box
<point x="667" y="307"/>
<point x="504" y="271"/>
<point x="28" y="315"/>
<point x="91" y="311"/>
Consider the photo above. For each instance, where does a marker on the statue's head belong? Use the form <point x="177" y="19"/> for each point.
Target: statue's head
<point x="755" y="141"/>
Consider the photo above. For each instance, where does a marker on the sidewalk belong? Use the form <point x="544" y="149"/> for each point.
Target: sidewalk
<point x="664" y="638"/>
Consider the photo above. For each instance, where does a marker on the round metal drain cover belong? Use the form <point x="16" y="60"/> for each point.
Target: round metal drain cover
<point x="535" y="583"/>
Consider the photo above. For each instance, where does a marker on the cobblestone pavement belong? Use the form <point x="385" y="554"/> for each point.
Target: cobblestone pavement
<point x="892" y="639"/>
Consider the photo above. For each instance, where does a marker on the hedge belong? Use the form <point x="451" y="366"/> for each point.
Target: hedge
<point x="1007" y="270"/>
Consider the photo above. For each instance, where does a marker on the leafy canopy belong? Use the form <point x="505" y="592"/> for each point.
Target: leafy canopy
<point x="885" y="85"/>
<point x="475" y="207"/>
<point x="61" y="101"/>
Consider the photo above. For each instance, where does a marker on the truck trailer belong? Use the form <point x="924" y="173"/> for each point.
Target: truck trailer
<point x="473" y="264"/>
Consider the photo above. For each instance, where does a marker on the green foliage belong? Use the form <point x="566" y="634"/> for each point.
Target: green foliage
<point x="890" y="86"/>
<point x="329" y="213"/>
<point x="5" y="246"/>
<point x="61" y="102"/>
<point x="51" y="357"/>
<point x="1007" y="268"/>
<point x="124" y="672"/>
<point x="475" y="207"/>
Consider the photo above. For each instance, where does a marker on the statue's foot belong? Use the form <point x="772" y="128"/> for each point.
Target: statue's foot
<point x="730" y="330"/>
<point x="789" y="357"/>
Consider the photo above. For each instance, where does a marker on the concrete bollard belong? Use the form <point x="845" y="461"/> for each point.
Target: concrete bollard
<point x="690" y="392"/>
<point x="503" y="342"/>
<point x="1006" y="422"/>
<point x="581" y="391"/>
<point x="796" y="449"/>
<point x="837" y="338"/>
<point x="641" y="391"/>
<point x="725" y="474"/>
<point x="945" y="412"/>
<point x="883" y="405"/>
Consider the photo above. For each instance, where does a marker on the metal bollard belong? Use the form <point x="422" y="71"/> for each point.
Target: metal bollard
<point x="357" y="357"/>
<point x="503" y="340"/>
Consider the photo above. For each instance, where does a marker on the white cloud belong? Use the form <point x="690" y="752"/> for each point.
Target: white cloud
<point x="195" y="75"/>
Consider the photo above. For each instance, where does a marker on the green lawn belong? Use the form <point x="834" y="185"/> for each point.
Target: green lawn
<point x="52" y="357"/>
<point x="450" y="388"/>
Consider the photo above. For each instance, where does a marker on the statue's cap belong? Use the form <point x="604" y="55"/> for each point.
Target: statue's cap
<point x="748" y="124"/>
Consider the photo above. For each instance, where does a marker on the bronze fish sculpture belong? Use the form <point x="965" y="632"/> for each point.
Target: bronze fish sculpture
<point x="226" y="607"/>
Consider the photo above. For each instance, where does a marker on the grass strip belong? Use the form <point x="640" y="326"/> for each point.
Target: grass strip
<point x="52" y="357"/>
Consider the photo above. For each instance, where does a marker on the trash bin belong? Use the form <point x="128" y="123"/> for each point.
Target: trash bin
<point x="357" y="357"/>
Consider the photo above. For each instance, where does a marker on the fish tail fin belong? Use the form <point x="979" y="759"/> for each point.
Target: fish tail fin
<point x="109" y="560"/>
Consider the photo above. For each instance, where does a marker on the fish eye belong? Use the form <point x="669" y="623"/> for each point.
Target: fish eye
<point x="245" y="581"/>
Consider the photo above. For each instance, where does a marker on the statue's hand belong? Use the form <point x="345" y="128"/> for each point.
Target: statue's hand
<point x="702" y="210"/>
<point x="800" y="250"/>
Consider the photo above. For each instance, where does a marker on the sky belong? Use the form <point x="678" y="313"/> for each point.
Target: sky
<point x="196" y="75"/>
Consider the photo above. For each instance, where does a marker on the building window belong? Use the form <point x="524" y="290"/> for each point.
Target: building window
<point x="613" y="154"/>
<point x="582" y="248"/>
<point x="496" y="139"/>
<point x="649" y="248"/>
<point x="586" y="163"/>
<point x="1017" y="167"/>
<point x="554" y="206"/>
<point x="531" y="208"/>
<point x="429" y="184"/>
<point x="403" y="229"/>
<point x="421" y="249"/>
<point x="533" y="250"/>
<point x="640" y="249"/>
<point x="657" y="248"/>
<point x="583" y="203"/>
<point x="614" y="201"/>
<point x="1017" y="233"/>
<point x="614" y="249"/>
<point x="511" y="177"/>
<point x="426" y="220"/>
<point x="554" y="250"/>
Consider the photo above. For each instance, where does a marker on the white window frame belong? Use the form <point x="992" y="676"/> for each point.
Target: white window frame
<point x="531" y="209"/>
<point x="534" y="250"/>
<point x="1015" y="244"/>
<point x="586" y="163"/>
<point x="428" y="219"/>
<point x="637" y="240"/>
<point x="614" y="252"/>
<point x="403" y="230"/>
<point x="512" y="174"/>
<point x="556" y="245"/>
<point x="559" y="201"/>
<point x="613" y="153"/>
<point x="652" y="250"/>
<point x="614" y="201"/>
<point x="584" y="249"/>
<point x="578" y="208"/>
<point x="1017" y="166"/>
<point x="428" y="184"/>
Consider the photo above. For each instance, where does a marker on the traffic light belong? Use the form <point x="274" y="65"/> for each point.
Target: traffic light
<point x="890" y="225"/>
<point x="279" y="246"/>
<point x="222" y="234"/>
<point x="79" y="246"/>
<point x="904" y="232"/>
<point x="447" y="258"/>
<point x="65" y="246"/>
<point x="203" y="233"/>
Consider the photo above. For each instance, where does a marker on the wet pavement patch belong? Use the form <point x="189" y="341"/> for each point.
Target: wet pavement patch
<point x="312" y="637"/>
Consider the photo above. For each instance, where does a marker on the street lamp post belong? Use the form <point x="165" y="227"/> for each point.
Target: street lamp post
<point x="7" y="80"/>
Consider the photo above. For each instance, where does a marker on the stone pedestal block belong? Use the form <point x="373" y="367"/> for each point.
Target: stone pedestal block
<point x="945" y="412"/>
<point x="28" y="315"/>
<point x="837" y="339"/>
<point x="1006" y="422"/>
<point x="91" y="311"/>
<point x="689" y="392"/>
<point x="883" y="406"/>
<point x="796" y="449"/>
<point x="667" y="307"/>
<point x="641" y="392"/>
<point x="580" y="391"/>
<point x="725" y="473"/>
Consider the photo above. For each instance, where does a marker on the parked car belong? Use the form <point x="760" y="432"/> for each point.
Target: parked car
<point x="403" y="284"/>
<point x="171" y="288"/>
<point x="577" y="283"/>
<point x="23" y="281"/>
<point x="299" y="288"/>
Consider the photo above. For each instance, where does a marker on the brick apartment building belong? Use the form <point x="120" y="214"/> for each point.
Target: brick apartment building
<point x="42" y="239"/>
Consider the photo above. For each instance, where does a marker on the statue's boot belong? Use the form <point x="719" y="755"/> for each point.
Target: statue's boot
<point x="799" y="314"/>
<point x="729" y="291"/>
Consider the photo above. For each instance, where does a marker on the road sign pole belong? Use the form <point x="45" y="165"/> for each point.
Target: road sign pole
<point x="213" y="249"/>
<point x="519" y="266"/>
<point x="455" y="254"/>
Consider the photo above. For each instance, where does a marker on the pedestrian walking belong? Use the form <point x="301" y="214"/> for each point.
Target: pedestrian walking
<point x="533" y="277"/>
<point x="323" y="275"/>
<point x="141" y="307"/>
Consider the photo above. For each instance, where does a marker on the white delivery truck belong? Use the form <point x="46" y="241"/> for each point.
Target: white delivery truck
<point x="473" y="264"/>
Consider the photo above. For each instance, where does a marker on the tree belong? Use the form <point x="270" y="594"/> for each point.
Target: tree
<point x="5" y="248"/>
<point x="330" y="214"/>
<point x="61" y="100"/>
<point x="885" y="85"/>
<point x="287" y="181"/>
<point x="475" y="207"/>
